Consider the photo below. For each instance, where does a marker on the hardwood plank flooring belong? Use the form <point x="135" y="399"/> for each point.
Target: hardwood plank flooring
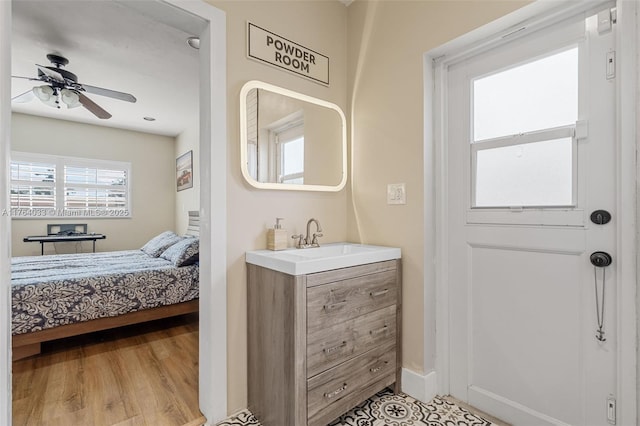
<point x="144" y="374"/>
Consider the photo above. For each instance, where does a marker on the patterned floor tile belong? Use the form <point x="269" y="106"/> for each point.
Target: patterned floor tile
<point x="389" y="409"/>
<point x="243" y="418"/>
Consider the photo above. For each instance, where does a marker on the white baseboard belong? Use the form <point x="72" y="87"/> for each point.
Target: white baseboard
<point x="422" y="388"/>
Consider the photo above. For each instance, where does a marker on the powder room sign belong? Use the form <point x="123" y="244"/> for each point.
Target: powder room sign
<point x="265" y="46"/>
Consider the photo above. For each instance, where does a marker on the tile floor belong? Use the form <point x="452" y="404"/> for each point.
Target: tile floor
<point x="388" y="409"/>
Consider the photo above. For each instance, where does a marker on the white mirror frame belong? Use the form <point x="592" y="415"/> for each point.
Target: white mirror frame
<point x="255" y="84"/>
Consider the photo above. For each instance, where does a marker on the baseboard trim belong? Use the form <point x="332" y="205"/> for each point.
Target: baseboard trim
<point x="422" y="388"/>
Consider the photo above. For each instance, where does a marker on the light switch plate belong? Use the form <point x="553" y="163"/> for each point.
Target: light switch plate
<point x="396" y="193"/>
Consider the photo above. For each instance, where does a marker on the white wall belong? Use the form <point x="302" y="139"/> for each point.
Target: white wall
<point x="153" y="189"/>
<point x="387" y="41"/>
<point x="384" y="77"/>
<point x="188" y="199"/>
<point x="318" y="25"/>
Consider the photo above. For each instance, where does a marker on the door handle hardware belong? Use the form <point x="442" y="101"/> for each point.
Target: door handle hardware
<point x="600" y="217"/>
<point x="601" y="259"/>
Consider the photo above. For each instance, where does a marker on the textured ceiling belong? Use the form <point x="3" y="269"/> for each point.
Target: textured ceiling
<point x="112" y="46"/>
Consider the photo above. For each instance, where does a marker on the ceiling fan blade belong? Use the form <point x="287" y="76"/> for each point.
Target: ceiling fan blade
<point x="109" y="93"/>
<point x="93" y="107"/>
<point x="25" y="78"/>
<point x="24" y="97"/>
<point x="51" y="74"/>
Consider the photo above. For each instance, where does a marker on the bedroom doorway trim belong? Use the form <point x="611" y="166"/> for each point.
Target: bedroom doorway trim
<point x="213" y="140"/>
<point x="627" y="143"/>
<point x="5" y="221"/>
<point x="213" y="209"/>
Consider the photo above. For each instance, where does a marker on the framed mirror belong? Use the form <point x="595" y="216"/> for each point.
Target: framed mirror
<point x="291" y="141"/>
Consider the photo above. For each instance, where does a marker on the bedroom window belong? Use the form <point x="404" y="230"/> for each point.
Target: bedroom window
<point x="33" y="184"/>
<point x="94" y="188"/>
<point x="56" y="186"/>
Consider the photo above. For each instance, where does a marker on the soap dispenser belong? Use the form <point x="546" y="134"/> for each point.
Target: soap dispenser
<point x="276" y="236"/>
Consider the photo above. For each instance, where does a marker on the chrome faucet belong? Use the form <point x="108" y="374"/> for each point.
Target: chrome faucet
<point x="310" y="240"/>
<point x="314" y="242"/>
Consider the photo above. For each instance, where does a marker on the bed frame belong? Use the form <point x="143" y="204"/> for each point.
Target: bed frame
<point x="28" y="344"/>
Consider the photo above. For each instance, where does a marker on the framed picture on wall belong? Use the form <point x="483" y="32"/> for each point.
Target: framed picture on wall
<point x="184" y="171"/>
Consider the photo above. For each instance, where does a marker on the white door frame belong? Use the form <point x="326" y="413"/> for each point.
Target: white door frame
<point x="436" y="160"/>
<point x="5" y="221"/>
<point x="213" y="210"/>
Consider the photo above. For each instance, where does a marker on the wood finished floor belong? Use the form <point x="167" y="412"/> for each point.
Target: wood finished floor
<point x="145" y="374"/>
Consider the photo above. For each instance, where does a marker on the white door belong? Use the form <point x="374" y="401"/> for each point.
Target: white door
<point x="531" y="154"/>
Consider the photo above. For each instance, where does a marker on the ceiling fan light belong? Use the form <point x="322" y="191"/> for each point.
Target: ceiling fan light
<point x="47" y="95"/>
<point x="70" y="98"/>
<point x="44" y="93"/>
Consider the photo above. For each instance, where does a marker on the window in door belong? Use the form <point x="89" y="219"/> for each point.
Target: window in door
<point x="523" y="143"/>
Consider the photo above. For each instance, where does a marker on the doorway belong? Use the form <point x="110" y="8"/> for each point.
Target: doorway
<point x="522" y="334"/>
<point x="213" y="215"/>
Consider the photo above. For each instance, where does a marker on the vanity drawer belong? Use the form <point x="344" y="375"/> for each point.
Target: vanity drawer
<point x="342" y="274"/>
<point x="332" y="303"/>
<point x="330" y="346"/>
<point x="344" y="382"/>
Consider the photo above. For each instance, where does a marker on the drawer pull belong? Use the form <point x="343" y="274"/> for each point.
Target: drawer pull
<point x="379" y="331"/>
<point x="334" y="306"/>
<point x="379" y="367"/>
<point x="379" y="293"/>
<point x="332" y="349"/>
<point x="336" y="392"/>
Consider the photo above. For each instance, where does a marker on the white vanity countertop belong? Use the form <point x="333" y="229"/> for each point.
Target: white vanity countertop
<point x="324" y="258"/>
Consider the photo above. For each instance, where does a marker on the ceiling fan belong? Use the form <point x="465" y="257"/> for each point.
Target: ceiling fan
<point x="62" y="87"/>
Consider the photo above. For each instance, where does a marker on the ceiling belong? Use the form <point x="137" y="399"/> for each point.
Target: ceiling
<point x="112" y="46"/>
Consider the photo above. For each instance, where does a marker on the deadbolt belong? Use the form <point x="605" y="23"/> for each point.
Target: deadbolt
<point x="600" y="217"/>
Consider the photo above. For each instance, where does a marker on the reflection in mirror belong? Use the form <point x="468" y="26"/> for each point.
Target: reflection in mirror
<point x="291" y="141"/>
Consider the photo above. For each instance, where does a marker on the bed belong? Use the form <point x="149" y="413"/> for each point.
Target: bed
<point x="57" y="296"/>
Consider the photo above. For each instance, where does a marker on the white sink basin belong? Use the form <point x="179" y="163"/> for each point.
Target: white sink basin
<point x="324" y="258"/>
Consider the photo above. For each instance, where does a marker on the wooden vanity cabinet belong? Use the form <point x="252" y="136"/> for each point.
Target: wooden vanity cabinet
<point x="322" y="343"/>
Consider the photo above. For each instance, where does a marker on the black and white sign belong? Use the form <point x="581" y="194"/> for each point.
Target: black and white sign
<point x="265" y="46"/>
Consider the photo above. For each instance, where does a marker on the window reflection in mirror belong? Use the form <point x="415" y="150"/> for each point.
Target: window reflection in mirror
<point x="291" y="141"/>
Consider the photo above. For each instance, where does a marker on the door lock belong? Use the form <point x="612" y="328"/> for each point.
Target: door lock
<point x="601" y="259"/>
<point x="600" y="217"/>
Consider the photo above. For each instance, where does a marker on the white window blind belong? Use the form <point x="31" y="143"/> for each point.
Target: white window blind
<point x="54" y="186"/>
<point x="33" y="184"/>
<point x="94" y="188"/>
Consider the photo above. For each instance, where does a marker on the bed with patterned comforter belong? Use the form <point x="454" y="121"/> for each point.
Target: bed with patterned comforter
<point x="56" y="290"/>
